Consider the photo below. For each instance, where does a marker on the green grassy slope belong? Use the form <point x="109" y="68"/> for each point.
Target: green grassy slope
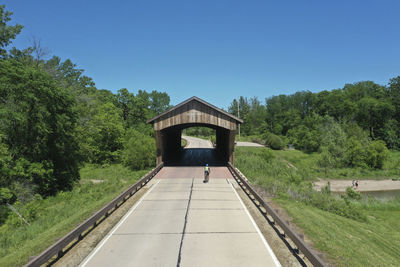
<point x="374" y="241"/>
<point x="56" y="216"/>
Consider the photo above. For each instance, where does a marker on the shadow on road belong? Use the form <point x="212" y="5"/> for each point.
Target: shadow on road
<point x="195" y="157"/>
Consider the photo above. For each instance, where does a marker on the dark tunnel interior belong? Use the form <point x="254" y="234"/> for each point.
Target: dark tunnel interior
<point x="174" y="155"/>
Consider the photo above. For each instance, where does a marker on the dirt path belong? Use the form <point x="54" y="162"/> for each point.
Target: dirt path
<point x="363" y="185"/>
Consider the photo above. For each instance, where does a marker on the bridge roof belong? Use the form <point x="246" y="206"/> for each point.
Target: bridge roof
<point x="194" y="98"/>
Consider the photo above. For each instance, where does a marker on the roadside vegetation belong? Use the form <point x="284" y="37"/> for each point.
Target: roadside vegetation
<point x="350" y="230"/>
<point x="66" y="147"/>
<point x="48" y="219"/>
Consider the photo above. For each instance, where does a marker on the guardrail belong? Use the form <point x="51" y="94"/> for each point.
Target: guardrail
<point x="77" y="233"/>
<point x="265" y="208"/>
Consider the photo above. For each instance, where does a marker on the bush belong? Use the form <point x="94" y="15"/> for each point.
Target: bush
<point x="352" y="194"/>
<point x="355" y="153"/>
<point x="376" y="154"/>
<point x="139" y="151"/>
<point x="273" y="141"/>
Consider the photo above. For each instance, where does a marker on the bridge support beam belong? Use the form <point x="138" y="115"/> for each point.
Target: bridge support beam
<point x="231" y="146"/>
<point x="159" y="146"/>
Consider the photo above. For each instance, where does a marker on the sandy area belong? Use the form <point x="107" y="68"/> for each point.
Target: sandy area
<point x="363" y="185"/>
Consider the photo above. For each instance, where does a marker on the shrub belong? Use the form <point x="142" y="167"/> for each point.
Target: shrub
<point x="355" y="154"/>
<point x="376" y="154"/>
<point x="273" y="141"/>
<point x="352" y="194"/>
<point x="139" y="151"/>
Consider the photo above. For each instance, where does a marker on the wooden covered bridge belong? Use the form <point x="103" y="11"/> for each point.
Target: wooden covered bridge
<point x="194" y="111"/>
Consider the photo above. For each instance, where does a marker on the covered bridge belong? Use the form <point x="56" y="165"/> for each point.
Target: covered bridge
<point x="168" y="128"/>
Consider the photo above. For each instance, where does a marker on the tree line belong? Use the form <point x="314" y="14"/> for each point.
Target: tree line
<point x="352" y="126"/>
<point x="53" y="119"/>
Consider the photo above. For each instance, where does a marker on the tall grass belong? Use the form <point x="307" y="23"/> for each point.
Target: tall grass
<point x="303" y="161"/>
<point x="346" y="242"/>
<point x="53" y="217"/>
<point x="350" y="232"/>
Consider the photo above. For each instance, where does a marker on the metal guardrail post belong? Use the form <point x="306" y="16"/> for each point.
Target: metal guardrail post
<point x="57" y="247"/>
<point x="277" y="220"/>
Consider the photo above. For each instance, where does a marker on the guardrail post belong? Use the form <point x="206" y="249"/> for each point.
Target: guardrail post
<point x="92" y="222"/>
<point x="280" y="225"/>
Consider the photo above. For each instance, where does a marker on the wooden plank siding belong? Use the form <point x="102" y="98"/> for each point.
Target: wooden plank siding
<point x="194" y="112"/>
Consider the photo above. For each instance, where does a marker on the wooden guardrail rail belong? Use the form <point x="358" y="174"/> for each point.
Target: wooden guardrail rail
<point x="265" y="208"/>
<point x="77" y="233"/>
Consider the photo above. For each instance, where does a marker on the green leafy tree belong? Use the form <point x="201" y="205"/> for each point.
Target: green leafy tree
<point x="372" y="115"/>
<point x="139" y="151"/>
<point x="333" y="140"/>
<point x="391" y="134"/>
<point x="7" y="33"/>
<point x="159" y="102"/>
<point x="105" y="132"/>
<point x="376" y="154"/>
<point x="38" y="123"/>
<point x="355" y="155"/>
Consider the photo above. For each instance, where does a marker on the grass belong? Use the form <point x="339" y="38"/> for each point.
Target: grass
<point x="347" y="242"/>
<point x="56" y="216"/>
<point x="183" y="142"/>
<point x="303" y="161"/>
<point x="368" y="236"/>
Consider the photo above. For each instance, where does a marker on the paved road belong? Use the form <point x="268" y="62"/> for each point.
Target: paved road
<point x="181" y="221"/>
<point x="248" y="144"/>
<point x="194" y="142"/>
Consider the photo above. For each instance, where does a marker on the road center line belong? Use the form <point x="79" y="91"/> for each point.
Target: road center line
<point x="184" y="226"/>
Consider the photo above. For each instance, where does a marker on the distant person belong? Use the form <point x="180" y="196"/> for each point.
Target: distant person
<point x="356" y="184"/>
<point x="206" y="173"/>
<point x="353" y="184"/>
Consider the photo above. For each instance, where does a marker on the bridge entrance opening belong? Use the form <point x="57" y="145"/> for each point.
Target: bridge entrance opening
<point x="204" y="145"/>
<point x="188" y="116"/>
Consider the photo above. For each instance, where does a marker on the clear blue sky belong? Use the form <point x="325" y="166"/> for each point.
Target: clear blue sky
<point x="218" y="50"/>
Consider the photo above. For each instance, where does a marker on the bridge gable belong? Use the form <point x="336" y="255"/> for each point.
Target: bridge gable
<point x="195" y="111"/>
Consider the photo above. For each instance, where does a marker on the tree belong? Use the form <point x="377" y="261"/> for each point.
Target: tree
<point x="7" y="33"/>
<point x="372" y="115"/>
<point x="376" y="154"/>
<point x="104" y="134"/>
<point x="38" y="125"/>
<point x="394" y="96"/>
<point x="159" y="102"/>
<point x="139" y="151"/>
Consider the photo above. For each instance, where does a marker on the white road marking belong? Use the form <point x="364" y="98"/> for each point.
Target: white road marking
<point x="117" y="226"/>
<point x="277" y="263"/>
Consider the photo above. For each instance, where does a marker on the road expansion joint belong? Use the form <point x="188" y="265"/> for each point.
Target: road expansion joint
<point x="217" y="209"/>
<point x="144" y="234"/>
<point x="184" y="226"/>
<point x="218" y="233"/>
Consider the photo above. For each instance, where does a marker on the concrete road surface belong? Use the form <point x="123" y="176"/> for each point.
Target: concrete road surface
<point x="248" y="144"/>
<point x="185" y="222"/>
<point x="194" y="142"/>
